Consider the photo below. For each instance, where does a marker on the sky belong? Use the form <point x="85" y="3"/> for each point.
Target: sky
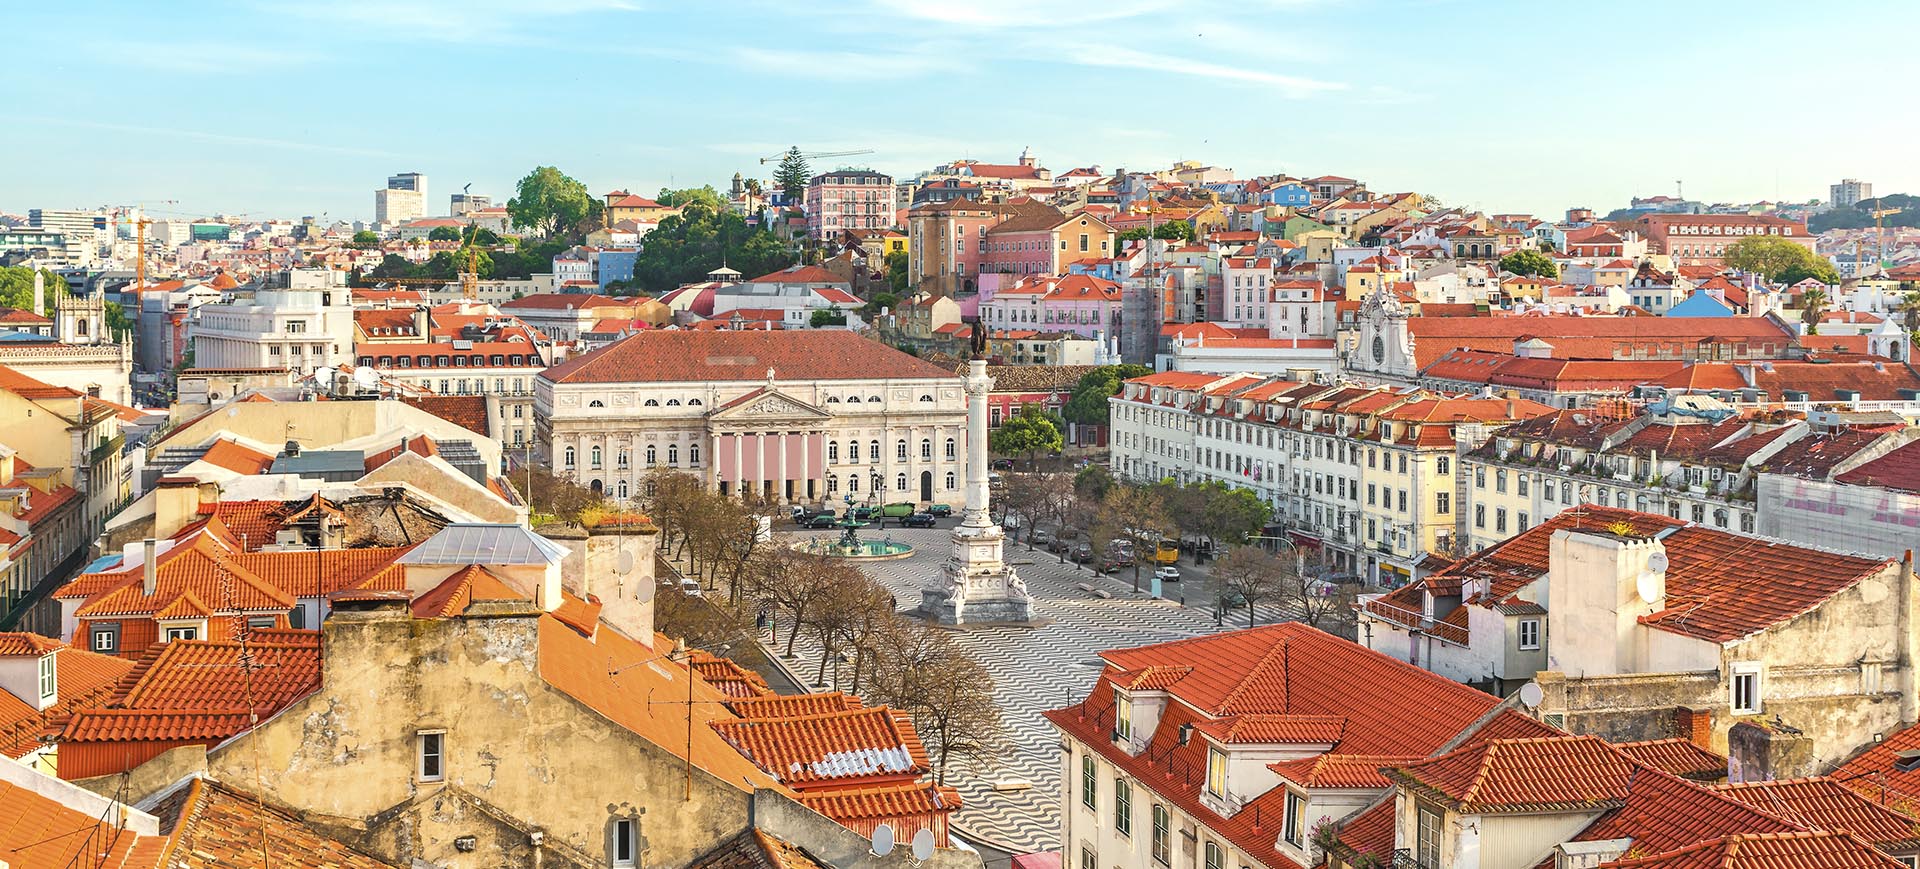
<point x="287" y="109"/>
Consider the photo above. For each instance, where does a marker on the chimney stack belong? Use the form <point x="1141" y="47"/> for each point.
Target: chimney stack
<point x="149" y="572"/>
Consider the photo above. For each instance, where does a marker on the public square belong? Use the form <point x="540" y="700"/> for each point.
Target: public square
<point x="1038" y="668"/>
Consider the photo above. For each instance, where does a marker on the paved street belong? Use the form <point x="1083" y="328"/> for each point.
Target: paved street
<point x="1036" y="669"/>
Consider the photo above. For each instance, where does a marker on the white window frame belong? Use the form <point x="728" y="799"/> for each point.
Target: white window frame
<point x="1529" y="626"/>
<point x="1756" y="700"/>
<point x="1216" y="772"/>
<point x="49" y="677"/>
<point x="631" y="839"/>
<point x="185" y="632"/>
<point x="438" y="738"/>
<point x="1295" y="823"/>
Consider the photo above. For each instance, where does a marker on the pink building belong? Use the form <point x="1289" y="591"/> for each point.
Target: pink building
<point x="1081" y="304"/>
<point x="1044" y="241"/>
<point x="848" y="199"/>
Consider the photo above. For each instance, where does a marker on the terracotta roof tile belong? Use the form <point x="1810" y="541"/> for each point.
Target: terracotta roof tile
<point x="216" y="826"/>
<point x="23" y="644"/>
<point x="857" y="744"/>
<point x="1340" y="770"/>
<point x="1825" y="804"/>
<point x="1800" y="850"/>
<point x="1524" y="775"/>
<point x="1276" y="729"/>
<point x="1678" y="756"/>
<point x="884" y="802"/>
<point x="727" y="356"/>
<point x="794" y="705"/>
<point x="38" y="831"/>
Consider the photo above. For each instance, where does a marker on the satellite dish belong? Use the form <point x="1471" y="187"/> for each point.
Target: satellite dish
<point x="365" y="377"/>
<point x="1657" y="562"/>
<point x="923" y="844"/>
<point x="1531" y="695"/>
<point x="882" y="839"/>
<point x="324" y="376"/>
<point x="1650" y="587"/>
<point x="624" y="564"/>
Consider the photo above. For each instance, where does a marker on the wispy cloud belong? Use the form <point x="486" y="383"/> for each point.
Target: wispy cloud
<point x="1021" y="13"/>
<point x="844" y="65"/>
<point x="194" y="58"/>
<point x="458" y="21"/>
<point x="204" y="136"/>
<point x="1127" y="58"/>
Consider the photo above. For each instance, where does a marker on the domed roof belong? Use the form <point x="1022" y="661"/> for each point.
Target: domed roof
<point x="223" y="281"/>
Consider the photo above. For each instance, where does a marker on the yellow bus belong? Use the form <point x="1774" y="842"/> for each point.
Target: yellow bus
<point x="1168" y="553"/>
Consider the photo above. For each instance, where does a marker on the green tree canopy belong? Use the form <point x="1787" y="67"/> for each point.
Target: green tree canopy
<point x="1772" y="257"/>
<point x="1088" y="405"/>
<point x="1028" y="434"/>
<point x="444" y="233"/>
<point x="685" y="246"/>
<point x="1092" y="482"/>
<point x="548" y="201"/>
<point x="1529" y="263"/>
<point x="792" y="175"/>
<point x="366" y="237"/>
<point x="16" y="287"/>
<point x="705" y="195"/>
<point x="1172" y="230"/>
<point x="897" y="272"/>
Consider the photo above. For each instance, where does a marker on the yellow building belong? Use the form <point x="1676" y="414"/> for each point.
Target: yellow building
<point x="622" y="205"/>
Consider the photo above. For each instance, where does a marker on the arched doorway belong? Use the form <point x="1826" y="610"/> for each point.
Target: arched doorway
<point x="926" y="485"/>
<point x="595" y="486"/>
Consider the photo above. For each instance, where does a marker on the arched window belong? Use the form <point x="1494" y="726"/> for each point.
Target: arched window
<point x="900" y="449"/>
<point x="879" y="482"/>
<point x="651" y="403"/>
<point x="569" y="461"/>
<point x="853" y="482"/>
<point x="623" y="490"/>
<point x="874" y="450"/>
<point x="853" y="399"/>
<point x="926" y="397"/>
<point x="833" y="451"/>
<point x="950" y="481"/>
<point x="673" y="402"/>
<point x="900" y="482"/>
<point x="693" y="454"/>
<point x="595" y="457"/>
<point x="951" y="447"/>
<point x="833" y="399"/>
<point x="873" y="399"/>
<point x="621" y="457"/>
<point x="926" y="448"/>
<point x="693" y="402"/>
<point x="673" y="455"/>
<point x="652" y="457"/>
<point x="833" y="484"/>
<point x="593" y="403"/>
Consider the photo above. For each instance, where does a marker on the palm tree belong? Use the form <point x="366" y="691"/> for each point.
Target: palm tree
<point x="1910" y="306"/>
<point x="1813" y="305"/>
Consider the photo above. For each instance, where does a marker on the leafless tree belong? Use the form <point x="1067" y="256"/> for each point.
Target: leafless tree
<point x="920" y="670"/>
<point x="1137" y="515"/>
<point x="842" y="612"/>
<point x="1059" y="502"/>
<point x="790" y="581"/>
<point x="1254" y="575"/>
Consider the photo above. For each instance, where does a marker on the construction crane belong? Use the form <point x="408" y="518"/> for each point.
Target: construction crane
<point x="140" y="224"/>
<point x="1880" y="216"/>
<point x="816" y="155"/>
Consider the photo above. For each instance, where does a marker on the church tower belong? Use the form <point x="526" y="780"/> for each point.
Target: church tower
<point x="81" y="320"/>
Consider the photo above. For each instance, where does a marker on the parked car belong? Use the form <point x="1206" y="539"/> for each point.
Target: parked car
<point x="917" y="520"/>
<point x="803" y="516"/>
<point x="1082" y="554"/>
<point x="819" y="520"/>
<point x="1060" y="544"/>
<point x="864" y="513"/>
<point x="940" y="509"/>
<point x="1040" y="537"/>
<point x="1167" y="573"/>
<point x="1231" y="597"/>
<point x="1113" y="563"/>
<point x="1002" y="465"/>
<point x="690" y="588"/>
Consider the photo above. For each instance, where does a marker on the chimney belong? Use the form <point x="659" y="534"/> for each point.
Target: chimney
<point x="176" y="504"/>
<point x="422" y="321"/>
<point x="1599" y="584"/>
<point x="149" y="572"/>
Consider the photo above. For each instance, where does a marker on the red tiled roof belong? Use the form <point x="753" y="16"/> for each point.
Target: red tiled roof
<point x="856" y="744"/>
<point x="799" y="275"/>
<point x="1873" y="772"/>
<point x="727" y="356"/>
<point x="1825" y="804"/>
<point x="854" y="804"/>
<point x="453" y="594"/>
<point x="793" y="705"/>
<point x="1524" y="775"/>
<point x="22" y="644"/>
<point x="84" y="680"/>
<point x="39" y="831"/>
<point x="1799" y="850"/>
<point x="1681" y="757"/>
<point x="217" y="826"/>
<point x="1340" y="770"/>
<point x="231" y="455"/>
<point x="1898" y="469"/>
<point x="1276" y="729"/>
<point x="466" y="411"/>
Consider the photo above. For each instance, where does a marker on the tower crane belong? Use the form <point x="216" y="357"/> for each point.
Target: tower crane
<point x="1880" y="216"/>
<point x="816" y="155"/>
<point x="140" y="223"/>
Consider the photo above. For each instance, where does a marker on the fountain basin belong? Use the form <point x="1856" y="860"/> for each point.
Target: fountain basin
<point x="863" y="550"/>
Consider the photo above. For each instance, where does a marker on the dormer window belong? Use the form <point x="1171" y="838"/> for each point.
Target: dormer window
<point x="49" y="678"/>
<point x="1122" y="716"/>
<point x="1216" y="772"/>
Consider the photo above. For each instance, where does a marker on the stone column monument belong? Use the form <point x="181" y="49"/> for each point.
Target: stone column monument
<point x="976" y="585"/>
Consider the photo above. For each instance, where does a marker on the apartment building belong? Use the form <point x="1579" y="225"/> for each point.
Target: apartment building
<point x="446" y="351"/>
<point x="1369" y="476"/>
<point x="298" y="330"/>
<point x="848" y="199"/>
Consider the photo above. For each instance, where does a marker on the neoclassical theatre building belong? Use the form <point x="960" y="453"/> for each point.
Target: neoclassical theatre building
<point x="785" y="416"/>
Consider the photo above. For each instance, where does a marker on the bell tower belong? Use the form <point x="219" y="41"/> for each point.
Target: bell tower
<point x="81" y="320"/>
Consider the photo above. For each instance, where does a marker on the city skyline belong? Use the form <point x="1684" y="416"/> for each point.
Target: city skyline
<point x="269" y="111"/>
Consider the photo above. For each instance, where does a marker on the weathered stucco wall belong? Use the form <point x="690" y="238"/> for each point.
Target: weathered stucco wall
<point x="519" y="748"/>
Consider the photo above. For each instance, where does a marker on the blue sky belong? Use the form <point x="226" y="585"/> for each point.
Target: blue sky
<point x="286" y="109"/>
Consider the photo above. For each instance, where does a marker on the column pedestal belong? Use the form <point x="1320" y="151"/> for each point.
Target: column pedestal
<point x="976" y="585"/>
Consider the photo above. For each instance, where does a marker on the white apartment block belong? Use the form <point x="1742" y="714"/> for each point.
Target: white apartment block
<point x="299" y="330"/>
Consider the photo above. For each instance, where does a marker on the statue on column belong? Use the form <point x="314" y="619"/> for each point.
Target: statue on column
<point x="976" y="584"/>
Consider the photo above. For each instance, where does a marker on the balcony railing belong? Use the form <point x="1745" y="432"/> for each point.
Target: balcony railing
<point x="1403" y="859"/>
